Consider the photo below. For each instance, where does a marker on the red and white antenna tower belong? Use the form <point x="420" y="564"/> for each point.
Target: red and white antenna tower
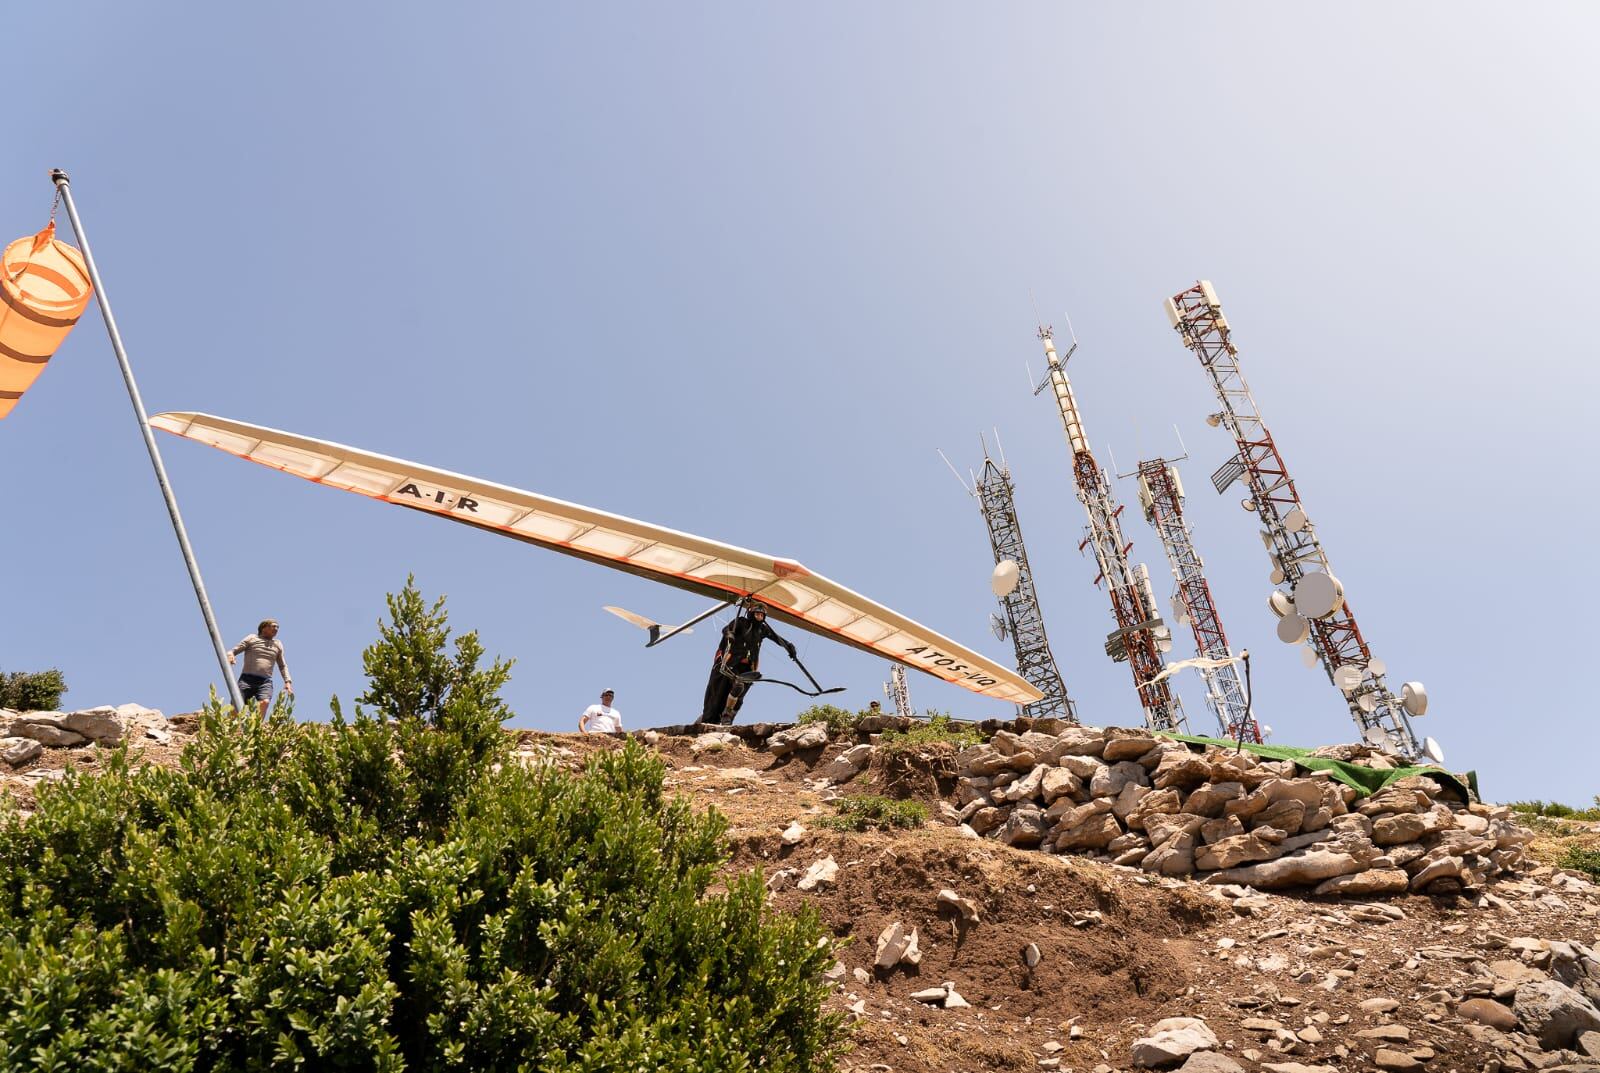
<point x="1140" y="633"/>
<point x="1161" y="495"/>
<point x="1315" y="606"/>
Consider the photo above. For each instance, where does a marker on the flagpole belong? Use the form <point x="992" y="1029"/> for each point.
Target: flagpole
<point x="63" y="186"/>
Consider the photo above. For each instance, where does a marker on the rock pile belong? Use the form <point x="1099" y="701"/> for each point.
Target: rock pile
<point x="1226" y="817"/>
<point x="24" y="735"/>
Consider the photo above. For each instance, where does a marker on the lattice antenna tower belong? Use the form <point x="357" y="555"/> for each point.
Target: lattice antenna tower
<point x="897" y="691"/>
<point x="1315" y="607"/>
<point x="1023" y="622"/>
<point x="1140" y="634"/>
<point x="1161" y="496"/>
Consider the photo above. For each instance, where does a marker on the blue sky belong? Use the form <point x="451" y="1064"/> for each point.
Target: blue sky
<point x="740" y="269"/>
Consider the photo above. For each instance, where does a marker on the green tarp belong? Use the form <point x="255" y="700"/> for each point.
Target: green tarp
<point x="1367" y="780"/>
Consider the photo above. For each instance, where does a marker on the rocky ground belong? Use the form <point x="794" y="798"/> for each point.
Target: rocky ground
<point x="1015" y="952"/>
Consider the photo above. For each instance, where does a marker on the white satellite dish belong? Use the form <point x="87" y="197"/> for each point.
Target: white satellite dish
<point x="1308" y="656"/>
<point x="1003" y="582"/>
<point x="1433" y="751"/>
<point x="1318" y="595"/>
<point x="998" y="627"/>
<point x="1280" y="603"/>
<point x="1276" y="577"/>
<point x="1375" y="737"/>
<point x="1295" y="520"/>
<point x="1266" y="539"/>
<point x="1266" y="731"/>
<point x="1292" y="629"/>
<point x="1180" y="613"/>
<point x="1377" y="668"/>
<point x="1414" y="699"/>
<point x="1163" y="645"/>
<point x="1366" y="702"/>
<point x="1347" y="677"/>
<point x="1248" y="504"/>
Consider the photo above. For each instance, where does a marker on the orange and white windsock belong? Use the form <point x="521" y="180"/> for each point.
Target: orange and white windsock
<point x="44" y="288"/>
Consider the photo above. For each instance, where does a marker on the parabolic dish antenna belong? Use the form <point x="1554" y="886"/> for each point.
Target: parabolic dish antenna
<point x="1347" y="677"/>
<point x="997" y="626"/>
<point x="1414" y="699"/>
<point x="1375" y="737"/>
<point x="1366" y="702"/>
<point x="1433" y="751"/>
<point x="1003" y="581"/>
<point x="1280" y="603"/>
<point x="1295" y="520"/>
<point x="1266" y="540"/>
<point x="1248" y="504"/>
<point x="1377" y="668"/>
<point x="1292" y="629"/>
<point x="1317" y="595"/>
<point x="1180" y="613"/>
<point x="1308" y="656"/>
<point x="1276" y="577"/>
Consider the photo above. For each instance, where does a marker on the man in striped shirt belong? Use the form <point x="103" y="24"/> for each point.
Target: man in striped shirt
<point x="262" y="652"/>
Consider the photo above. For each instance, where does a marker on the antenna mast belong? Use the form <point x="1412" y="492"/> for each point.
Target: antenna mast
<point x="1023" y="620"/>
<point x="1317" y="607"/>
<point x="897" y="690"/>
<point x="1140" y="633"/>
<point x="1161" y="495"/>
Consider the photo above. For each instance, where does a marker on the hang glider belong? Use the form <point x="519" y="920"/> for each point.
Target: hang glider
<point x="723" y="572"/>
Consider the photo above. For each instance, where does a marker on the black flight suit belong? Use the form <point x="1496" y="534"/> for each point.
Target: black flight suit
<point x="739" y="653"/>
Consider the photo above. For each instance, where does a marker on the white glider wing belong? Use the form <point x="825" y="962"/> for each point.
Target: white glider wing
<point x="793" y="593"/>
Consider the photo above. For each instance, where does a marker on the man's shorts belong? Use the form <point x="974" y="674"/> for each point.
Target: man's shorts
<point x="256" y="687"/>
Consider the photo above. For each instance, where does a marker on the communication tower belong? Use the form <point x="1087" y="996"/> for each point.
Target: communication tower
<point x="1013" y="586"/>
<point x="1140" y="634"/>
<point x="1161" y="496"/>
<point x="1315" y="606"/>
<point x="897" y="691"/>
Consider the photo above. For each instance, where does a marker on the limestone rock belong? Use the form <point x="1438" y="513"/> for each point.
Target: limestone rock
<point x="1235" y="850"/>
<point x="1173" y="857"/>
<point x="100" y="725"/>
<point x="798" y="739"/>
<point x="1126" y="745"/>
<point x="1096" y="830"/>
<point x="847" y="765"/>
<point x="964" y="906"/>
<point x="987" y="819"/>
<point x="1298" y="869"/>
<point x="1553" y="1013"/>
<point x="1059" y="782"/>
<point x="1488" y="1012"/>
<point x="1081" y="741"/>
<point x="1025" y="827"/>
<point x="896" y="945"/>
<point x="931" y="995"/>
<point x="1209" y="799"/>
<point x="1373" y="881"/>
<point x="1162" y="827"/>
<point x="1396" y="1061"/>
<point x="19" y="751"/>
<point x="1210" y="1062"/>
<point x="1155" y="803"/>
<point x="1109" y="781"/>
<point x="1285" y="815"/>
<point x="1172" y="1040"/>
<point x="981" y="760"/>
<point x="823" y="871"/>
<point x="713" y="741"/>
<point x="1026" y="787"/>
<point x="45" y="734"/>
<point x="793" y="834"/>
<point x="1085" y="767"/>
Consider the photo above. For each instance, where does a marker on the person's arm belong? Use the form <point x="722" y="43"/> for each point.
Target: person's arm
<point x="772" y="633"/>
<point x="583" y="720"/>
<point x="236" y="649"/>
<point x="283" y="667"/>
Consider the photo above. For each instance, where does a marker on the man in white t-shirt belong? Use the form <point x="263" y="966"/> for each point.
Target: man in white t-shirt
<point x="601" y="718"/>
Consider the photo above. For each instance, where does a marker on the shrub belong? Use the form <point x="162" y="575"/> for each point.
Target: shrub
<point x="1586" y="861"/>
<point x="391" y="892"/>
<point x="863" y="811"/>
<point x="938" y="730"/>
<point x="39" y="691"/>
<point x="1555" y="810"/>
<point x="837" y="720"/>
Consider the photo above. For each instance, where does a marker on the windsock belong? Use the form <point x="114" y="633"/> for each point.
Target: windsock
<point x="44" y="288"/>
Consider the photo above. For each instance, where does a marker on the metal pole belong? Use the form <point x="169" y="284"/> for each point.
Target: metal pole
<point x="64" y="188"/>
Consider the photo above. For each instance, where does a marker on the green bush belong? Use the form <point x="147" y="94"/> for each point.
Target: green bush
<point x="939" y="729"/>
<point x="837" y="720"/>
<point x="1555" y="810"/>
<point x="863" y="811"/>
<point x="1586" y="861"/>
<point x="393" y="892"/>
<point x="39" y="691"/>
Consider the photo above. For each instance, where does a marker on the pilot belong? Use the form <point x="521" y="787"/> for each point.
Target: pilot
<point x="738" y="654"/>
